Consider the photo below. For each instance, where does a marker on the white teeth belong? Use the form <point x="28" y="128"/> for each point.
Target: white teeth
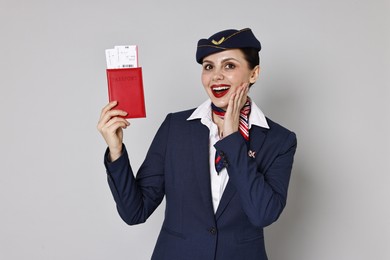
<point x="220" y="88"/>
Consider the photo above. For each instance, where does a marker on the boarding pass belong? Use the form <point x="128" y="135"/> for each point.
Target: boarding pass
<point x="123" y="56"/>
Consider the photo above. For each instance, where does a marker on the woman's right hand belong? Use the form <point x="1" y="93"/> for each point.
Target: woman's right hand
<point x="110" y="125"/>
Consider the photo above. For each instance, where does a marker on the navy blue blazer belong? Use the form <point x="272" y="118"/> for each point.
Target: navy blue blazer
<point x="177" y="167"/>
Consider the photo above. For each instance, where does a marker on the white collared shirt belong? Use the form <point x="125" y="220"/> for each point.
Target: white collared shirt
<point x="219" y="181"/>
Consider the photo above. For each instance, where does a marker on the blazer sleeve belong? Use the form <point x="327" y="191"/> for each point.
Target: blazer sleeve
<point x="262" y="190"/>
<point x="137" y="198"/>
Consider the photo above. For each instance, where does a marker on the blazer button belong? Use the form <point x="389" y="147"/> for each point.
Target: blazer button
<point x="213" y="231"/>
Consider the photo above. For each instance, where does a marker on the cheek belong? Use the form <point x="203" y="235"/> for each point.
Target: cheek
<point x="205" y="80"/>
<point x="234" y="79"/>
<point x="238" y="78"/>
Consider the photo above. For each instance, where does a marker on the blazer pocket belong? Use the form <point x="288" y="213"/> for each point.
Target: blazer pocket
<point x="172" y="233"/>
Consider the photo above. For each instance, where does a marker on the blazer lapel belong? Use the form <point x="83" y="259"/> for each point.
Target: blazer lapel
<point x="227" y="195"/>
<point x="200" y="157"/>
<point x="257" y="137"/>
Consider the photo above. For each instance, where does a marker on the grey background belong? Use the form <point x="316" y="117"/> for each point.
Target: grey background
<point x="325" y="75"/>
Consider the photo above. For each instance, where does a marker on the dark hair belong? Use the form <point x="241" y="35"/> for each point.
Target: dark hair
<point x="251" y="55"/>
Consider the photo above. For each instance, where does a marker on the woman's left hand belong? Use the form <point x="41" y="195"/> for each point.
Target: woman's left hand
<point x="232" y="116"/>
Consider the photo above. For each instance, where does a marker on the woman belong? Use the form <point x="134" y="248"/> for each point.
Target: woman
<point x="223" y="167"/>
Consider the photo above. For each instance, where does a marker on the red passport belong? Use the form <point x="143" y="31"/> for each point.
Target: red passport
<point x="126" y="87"/>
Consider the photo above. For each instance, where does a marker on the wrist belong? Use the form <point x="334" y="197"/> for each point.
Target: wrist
<point x="115" y="153"/>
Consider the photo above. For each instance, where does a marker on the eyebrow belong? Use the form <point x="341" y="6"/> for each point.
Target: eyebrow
<point x="224" y="60"/>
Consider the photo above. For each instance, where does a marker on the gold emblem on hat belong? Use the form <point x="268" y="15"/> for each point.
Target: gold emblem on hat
<point x="218" y="42"/>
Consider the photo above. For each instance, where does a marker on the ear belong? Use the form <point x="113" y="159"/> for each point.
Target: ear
<point x="254" y="74"/>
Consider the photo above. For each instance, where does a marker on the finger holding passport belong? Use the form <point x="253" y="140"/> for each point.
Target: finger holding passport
<point x="124" y="79"/>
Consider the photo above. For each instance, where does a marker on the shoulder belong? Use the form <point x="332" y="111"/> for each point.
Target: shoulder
<point x="180" y="115"/>
<point x="277" y="128"/>
<point x="178" y="119"/>
<point x="280" y="134"/>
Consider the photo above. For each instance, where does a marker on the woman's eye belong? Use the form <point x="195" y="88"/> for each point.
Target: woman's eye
<point x="207" y="67"/>
<point x="230" y="66"/>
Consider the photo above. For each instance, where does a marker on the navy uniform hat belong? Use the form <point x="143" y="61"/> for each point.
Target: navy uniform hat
<point x="228" y="39"/>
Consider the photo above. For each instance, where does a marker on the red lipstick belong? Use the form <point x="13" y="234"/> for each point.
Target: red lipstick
<point x="220" y="90"/>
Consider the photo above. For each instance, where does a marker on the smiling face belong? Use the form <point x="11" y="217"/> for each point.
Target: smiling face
<point x="223" y="72"/>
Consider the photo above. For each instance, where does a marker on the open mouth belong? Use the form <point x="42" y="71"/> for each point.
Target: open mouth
<point x="220" y="90"/>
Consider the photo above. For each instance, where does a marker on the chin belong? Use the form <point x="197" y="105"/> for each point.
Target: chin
<point x="220" y="103"/>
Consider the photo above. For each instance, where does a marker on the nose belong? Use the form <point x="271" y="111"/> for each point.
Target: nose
<point x="218" y="75"/>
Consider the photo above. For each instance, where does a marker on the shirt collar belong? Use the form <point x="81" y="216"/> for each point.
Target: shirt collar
<point x="256" y="116"/>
